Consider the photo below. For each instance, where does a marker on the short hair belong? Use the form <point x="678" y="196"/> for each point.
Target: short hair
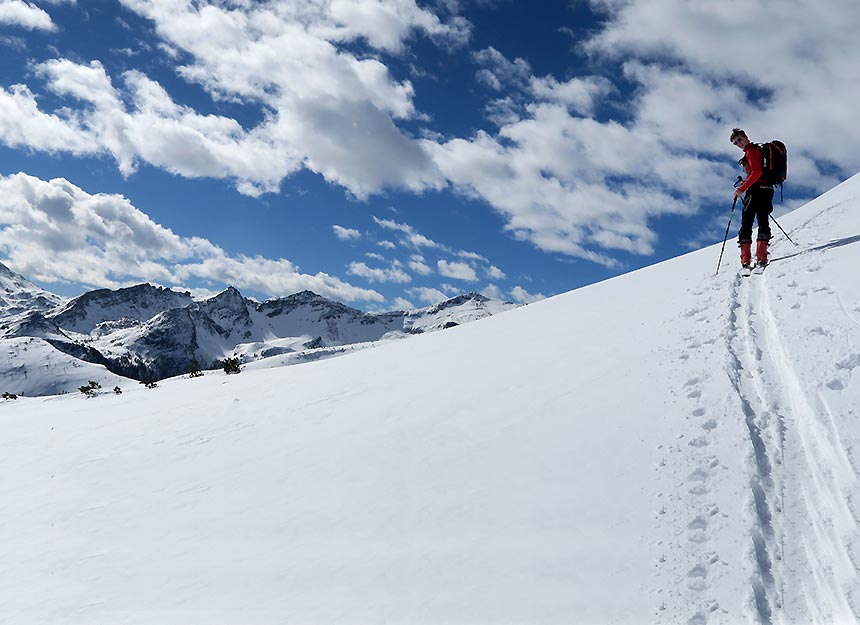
<point x="737" y="132"/>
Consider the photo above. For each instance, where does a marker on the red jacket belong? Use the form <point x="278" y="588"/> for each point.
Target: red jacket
<point x="753" y="162"/>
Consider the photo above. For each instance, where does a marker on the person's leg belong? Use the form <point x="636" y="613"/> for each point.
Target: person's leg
<point x="763" y="209"/>
<point x="745" y="232"/>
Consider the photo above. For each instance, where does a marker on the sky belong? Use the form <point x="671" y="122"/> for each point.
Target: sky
<point x="393" y="153"/>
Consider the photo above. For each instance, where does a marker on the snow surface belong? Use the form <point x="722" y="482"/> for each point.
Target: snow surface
<point x="665" y="447"/>
<point x="31" y="366"/>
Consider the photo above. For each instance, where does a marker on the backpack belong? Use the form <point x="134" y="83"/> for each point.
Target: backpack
<point x="773" y="166"/>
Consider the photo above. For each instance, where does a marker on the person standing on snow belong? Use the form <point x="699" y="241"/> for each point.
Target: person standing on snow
<point x="757" y="200"/>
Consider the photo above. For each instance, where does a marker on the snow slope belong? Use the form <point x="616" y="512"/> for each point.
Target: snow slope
<point x="664" y="447"/>
<point x="31" y="366"/>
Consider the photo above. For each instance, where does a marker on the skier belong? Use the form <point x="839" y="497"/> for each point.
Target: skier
<point x="757" y="200"/>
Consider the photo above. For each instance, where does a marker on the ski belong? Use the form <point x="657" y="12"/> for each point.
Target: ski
<point x="759" y="268"/>
<point x="746" y="271"/>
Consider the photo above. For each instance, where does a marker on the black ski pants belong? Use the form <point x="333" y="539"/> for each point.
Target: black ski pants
<point x="758" y="205"/>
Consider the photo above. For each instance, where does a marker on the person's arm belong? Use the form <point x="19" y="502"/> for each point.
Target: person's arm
<point x="754" y="159"/>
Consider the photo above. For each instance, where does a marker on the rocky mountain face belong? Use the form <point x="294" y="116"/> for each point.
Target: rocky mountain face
<point x="150" y="333"/>
<point x="137" y="303"/>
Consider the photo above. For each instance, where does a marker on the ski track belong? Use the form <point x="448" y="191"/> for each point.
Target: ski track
<point x="762" y="421"/>
<point x="802" y="481"/>
<point x="823" y="480"/>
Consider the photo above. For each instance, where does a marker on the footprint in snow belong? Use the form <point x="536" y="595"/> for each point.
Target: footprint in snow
<point x="701" y="617"/>
<point x="836" y="385"/>
<point x="710" y="424"/>
<point x="850" y="363"/>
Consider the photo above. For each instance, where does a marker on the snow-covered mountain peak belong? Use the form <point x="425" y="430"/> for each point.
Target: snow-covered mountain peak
<point x="19" y="295"/>
<point x="139" y="303"/>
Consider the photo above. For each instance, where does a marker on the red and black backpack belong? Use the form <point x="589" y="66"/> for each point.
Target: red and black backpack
<point x="773" y="165"/>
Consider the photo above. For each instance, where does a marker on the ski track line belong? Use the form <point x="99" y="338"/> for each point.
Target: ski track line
<point x="746" y="375"/>
<point x="830" y="522"/>
<point x="848" y="314"/>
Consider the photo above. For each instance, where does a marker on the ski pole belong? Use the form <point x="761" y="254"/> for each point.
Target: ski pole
<point x="783" y="231"/>
<point x="726" y="238"/>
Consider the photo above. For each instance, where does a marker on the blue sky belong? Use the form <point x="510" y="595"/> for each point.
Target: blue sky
<point x="391" y="153"/>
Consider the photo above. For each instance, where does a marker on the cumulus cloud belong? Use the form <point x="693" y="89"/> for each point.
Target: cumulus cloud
<point x="459" y="271"/>
<point x="330" y="108"/>
<point x="324" y="108"/>
<point x="410" y="236"/>
<point x="346" y="234"/>
<point x="521" y="296"/>
<point x="103" y="241"/>
<point x="493" y="292"/>
<point x="494" y="273"/>
<point x="385" y="25"/>
<point x="25" y="15"/>
<point x="375" y="274"/>
<point x="419" y="265"/>
<point x="153" y="129"/>
<point x="427" y="295"/>
<point x="401" y="303"/>
<point x="498" y="73"/>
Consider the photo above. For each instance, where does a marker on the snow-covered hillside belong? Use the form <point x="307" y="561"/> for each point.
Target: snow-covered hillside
<point x="31" y="366"/>
<point x="665" y="447"/>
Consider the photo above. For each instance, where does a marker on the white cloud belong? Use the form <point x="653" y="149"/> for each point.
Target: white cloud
<point x="371" y="274"/>
<point x="411" y="237"/>
<point x="419" y="265"/>
<point x="324" y="108"/>
<point x="385" y="25"/>
<point x="578" y="94"/>
<point x="427" y="295"/>
<point x="346" y="234"/>
<point x="472" y="256"/>
<point x="494" y="273"/>
<point x="459" y="271"/>
<point x="498" y="73"/>
<point x="388" y="245"/>
<point x="154" y="129"/>
<point x="56" y="232"/>
<point x="22" y="124"/>
<point x="707" y="40"/>
<point x="401" y="303"/>
<point x="521" y="296"/>
<point x="330" y="110"/>
<point x="25" y="15"/>
<point x="493" y="292"/>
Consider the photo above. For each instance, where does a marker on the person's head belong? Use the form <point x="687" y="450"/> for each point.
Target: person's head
<point x="739" y="138"/>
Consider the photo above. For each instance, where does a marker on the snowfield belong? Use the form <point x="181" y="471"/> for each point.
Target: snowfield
<point x="665" y="447"/>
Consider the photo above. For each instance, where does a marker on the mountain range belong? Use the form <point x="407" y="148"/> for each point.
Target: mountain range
<point x="149" y="333"/>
